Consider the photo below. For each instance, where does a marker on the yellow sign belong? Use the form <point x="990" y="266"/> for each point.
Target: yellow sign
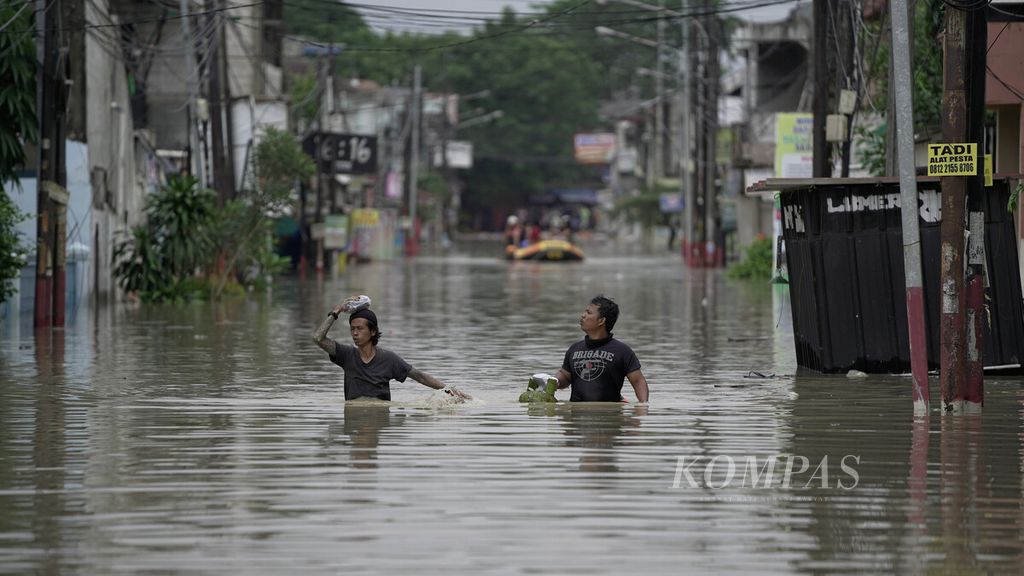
<point x="365" y="217"/>
<point x="794" y="157"/>
<point x="988" y="169"/>
<point x="953" y="159"/>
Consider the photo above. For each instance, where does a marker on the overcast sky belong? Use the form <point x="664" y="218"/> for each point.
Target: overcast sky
<point x="462" y="15"/>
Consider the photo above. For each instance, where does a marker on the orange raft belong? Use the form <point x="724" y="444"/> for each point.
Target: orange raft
<point x="547" y="250"/>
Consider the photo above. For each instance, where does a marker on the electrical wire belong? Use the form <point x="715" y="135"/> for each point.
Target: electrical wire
<point x="547" y="22"/>
<point x="1013" y="89"/>
<point x="989" y="49"/>
<point x="29" y="31"/>
<point x="16" y="15"/>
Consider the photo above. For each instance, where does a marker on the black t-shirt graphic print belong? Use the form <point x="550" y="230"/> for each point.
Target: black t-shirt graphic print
<point x="598" y="369"/>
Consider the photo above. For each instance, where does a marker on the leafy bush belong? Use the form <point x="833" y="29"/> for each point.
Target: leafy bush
<point x="12" y="249"/>
<point x="180" y="216"/>
<point x="757" y="265"/>
<point x="18" y="125"/>
<point x="190" y="250"/>
<point x="155" y="259"/>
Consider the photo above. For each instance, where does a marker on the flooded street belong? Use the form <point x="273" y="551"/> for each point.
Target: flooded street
<point x="216" y="439"/>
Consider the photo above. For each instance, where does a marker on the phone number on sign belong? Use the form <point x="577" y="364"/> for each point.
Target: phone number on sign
<point x="954" y="169"/>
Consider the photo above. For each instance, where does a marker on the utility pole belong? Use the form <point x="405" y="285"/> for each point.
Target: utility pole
<point x="976" y="35"/>
<point x="192" y="85"/>
<point x="849" y="65"/>
<point x="952" y="373"/>
<point x="412" y="243"/>
<point x="904" y="128"/>
<point x="711" y="28"/>
<point x="323" y="127"/>
<point x="658" y="166"/>
<point x="699" y="125"/>
<point x="51" y="195"/>
<point x="822" y="165"/>
<point x="223" y="180"/>
<point x="685" y="184"/>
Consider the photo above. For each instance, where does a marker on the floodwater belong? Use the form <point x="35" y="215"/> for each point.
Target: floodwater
<point x="215" y="439"/>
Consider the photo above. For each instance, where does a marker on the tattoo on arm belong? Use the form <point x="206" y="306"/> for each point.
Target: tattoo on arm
<point x="425" y="379"/>
<point x="320" y="336"/>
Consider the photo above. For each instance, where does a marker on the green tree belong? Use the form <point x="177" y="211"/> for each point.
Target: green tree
<point x="304" y="98"/>
<point x="545" y="69"/>
<point x="927" y="69"/>
<point x="17" y="126"/>
<point x="243" y="229"/>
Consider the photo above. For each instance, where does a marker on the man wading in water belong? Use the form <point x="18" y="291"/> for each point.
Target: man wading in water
<point x="596" y="365"/>
<point x="369" y="369"/>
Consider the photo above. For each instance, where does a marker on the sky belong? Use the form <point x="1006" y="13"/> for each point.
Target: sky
<point x="462" y="15"/>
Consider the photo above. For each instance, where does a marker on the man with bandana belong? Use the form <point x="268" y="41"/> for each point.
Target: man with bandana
<point x="368" y="368"/>
<point x="596" y="366"/>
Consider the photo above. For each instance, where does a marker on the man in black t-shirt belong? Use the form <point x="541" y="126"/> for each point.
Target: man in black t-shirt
<point x="596" y="366"/>
<point x="369" y="369"/>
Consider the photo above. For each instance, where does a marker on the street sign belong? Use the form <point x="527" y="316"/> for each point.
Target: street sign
<point x="957" y="159"/>
<point x="342" y="153"/>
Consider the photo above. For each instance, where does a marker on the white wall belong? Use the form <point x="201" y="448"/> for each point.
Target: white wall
<point x="111" y="148"/>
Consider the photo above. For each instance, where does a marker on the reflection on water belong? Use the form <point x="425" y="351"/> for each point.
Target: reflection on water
<point x="216" y="439"/>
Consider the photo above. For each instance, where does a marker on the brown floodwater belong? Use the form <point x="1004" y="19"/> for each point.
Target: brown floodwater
<point x="216" y="439"/>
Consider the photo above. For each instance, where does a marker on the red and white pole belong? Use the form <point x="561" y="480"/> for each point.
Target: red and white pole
<point x="908" y="202"/>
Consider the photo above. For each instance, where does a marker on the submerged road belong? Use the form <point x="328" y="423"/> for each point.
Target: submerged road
<point x="215" y="439"/>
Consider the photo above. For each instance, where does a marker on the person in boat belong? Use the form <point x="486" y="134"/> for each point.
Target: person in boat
<point x="513" y="232"/>
<point x="532" y="234"/>
<point x="596" y="366"/>
<point x="368" y="368"/>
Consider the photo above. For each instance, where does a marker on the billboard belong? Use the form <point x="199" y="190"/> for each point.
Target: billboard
<point x="594" y="148"/>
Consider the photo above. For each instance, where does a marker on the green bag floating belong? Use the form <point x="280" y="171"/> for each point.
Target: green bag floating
<point x="540" y="388"/>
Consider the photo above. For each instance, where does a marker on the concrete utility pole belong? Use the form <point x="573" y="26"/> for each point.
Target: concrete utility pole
<point x="976" y="35"/>
<point x="192" y="85"/>
<point x="223" y="179"/>
<point x="822" y="165"/>
<point x="715" y="257"/>
<point x="952" y="374"/>
<point x="51" y="195"/>
<point x="904" y="128"/>
<point x="685" y="184"/>
<point x="700" y="166"/>
<point x="693" y="99"/>
<point x="658" y="166"/>
<point x="412" y="243"/>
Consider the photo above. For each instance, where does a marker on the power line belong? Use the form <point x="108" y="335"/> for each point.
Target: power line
<point x="162" y="18"/>
<point x="15" y="17"/>
<point x="1013" y="89"/>
<point x="29" y="31"/>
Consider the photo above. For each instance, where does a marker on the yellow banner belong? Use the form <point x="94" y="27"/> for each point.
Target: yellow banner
<point x="363" y="217"/>
<point x="988" y="169"/>
<point x="958" y="159"/>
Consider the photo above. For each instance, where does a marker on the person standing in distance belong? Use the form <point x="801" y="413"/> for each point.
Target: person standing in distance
<point x="368" y="368"/>
<point x="596" y="366"/>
